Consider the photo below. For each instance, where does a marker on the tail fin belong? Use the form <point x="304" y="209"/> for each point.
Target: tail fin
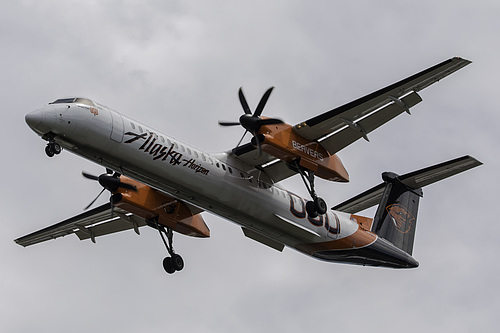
<point x="398" y="199"/>
<point x="396" y="216"/>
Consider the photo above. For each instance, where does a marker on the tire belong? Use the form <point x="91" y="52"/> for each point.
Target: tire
<point x="178" y="262"/>
<point x="49" y="151"/>
<point x="168" y="265"/>
<point x="56" y="148"/>
<point x="311" y="209"/>
<point x="320" y="206"/>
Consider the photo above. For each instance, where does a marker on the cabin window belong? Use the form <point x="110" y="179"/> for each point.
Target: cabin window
<point x="195" y="154"/>
<point x="132" y="125"/>
<point x="204" y="157"/>
<point x="217" y="165"/>
<point x="189" y="151"/>
<point x="140" y="129"/>
<point x="230" y="170"/>
<point x="162" y="139"/>
<point x="223" y="167"/>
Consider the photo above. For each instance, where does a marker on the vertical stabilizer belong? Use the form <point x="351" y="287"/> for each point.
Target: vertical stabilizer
<point x="396" y="216"/>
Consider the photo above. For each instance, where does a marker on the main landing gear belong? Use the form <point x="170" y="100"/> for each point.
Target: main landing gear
<point x="52" y="148"/>
<point x="317" y="206"/>
<point x="174" y="262"/>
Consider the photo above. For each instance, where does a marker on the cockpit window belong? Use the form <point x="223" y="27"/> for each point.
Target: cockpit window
<point x="63" y="100"/>
<point x="84" y="101"/>
<point x="74" y="100"/>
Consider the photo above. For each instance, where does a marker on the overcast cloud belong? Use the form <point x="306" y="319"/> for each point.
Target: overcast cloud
<point x="177" y="65"/>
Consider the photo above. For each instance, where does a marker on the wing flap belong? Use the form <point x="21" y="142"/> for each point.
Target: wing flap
<point x="414" y="180"/>
<point x="353" y="131"/>
<point x="116" y="225"/>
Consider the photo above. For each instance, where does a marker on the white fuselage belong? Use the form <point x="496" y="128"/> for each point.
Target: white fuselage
<point x="218" y="183"/>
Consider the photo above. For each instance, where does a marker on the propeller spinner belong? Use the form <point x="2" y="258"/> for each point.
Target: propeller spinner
<point x="252" y="122"/>
<point x="110" y="182"/>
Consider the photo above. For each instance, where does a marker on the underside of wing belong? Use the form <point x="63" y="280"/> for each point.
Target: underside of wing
<point x="93" y="223"/>
<point x="338" y="128"/>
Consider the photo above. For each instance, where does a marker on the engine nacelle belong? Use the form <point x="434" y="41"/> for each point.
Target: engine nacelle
<point x="149" y="203"/>
<point x="282" y="142"/>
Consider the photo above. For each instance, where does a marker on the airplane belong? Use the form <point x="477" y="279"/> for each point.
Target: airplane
<point x="158" y="181"/>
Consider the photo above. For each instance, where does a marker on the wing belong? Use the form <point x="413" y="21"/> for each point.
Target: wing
<point x="414" y="180"/>
<point x="338" y="128"/>
<point x="93" y="223"/>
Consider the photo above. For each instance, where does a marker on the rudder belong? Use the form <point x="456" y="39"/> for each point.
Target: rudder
<point x="396" y="216"/>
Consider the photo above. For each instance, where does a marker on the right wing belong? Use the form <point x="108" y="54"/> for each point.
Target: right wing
<point x="96" y="222"/>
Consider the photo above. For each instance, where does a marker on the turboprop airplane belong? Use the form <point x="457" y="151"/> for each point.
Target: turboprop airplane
<point x="160" y="182"/>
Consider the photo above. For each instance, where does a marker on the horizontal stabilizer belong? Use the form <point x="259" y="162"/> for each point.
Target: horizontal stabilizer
<point x="414" y="180"/>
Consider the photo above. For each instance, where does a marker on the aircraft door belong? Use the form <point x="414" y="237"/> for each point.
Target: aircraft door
<point x="117" y="126"/>
<point x="332" y="224"/>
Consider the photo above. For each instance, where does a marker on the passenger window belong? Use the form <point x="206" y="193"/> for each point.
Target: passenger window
<point x="140" y="129"/>
<point x="195" y="154"/>
<point x="230" y="170"/>
<point x="189" y="151"/>
<point x="203" y="157"/>
<point x="223" y="167"/>
<point x="132" y="125"/>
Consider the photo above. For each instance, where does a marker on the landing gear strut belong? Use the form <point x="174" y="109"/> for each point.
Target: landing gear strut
<point x="317" y="206"/>
<point x="174" y="262"/>
<point x="52" y="148"/>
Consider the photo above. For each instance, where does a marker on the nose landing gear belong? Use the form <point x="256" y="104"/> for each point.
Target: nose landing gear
<point x="52" y="148"/>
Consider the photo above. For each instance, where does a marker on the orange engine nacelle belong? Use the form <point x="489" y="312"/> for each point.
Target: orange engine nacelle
<point x="149" y="203"/>
<point x="281" y="141"/>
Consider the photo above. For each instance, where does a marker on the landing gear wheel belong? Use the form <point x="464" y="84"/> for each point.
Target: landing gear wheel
<point x="49" y="151"/>
<point x="311" y="209"/>
<point x="168" y="265"/>
<point x="320" y="206"/>
<point x="56" y="148"/>
<point x="178" y="262"/>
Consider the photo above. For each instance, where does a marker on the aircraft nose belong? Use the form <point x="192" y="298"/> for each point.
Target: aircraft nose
<point x="33" y="119"/>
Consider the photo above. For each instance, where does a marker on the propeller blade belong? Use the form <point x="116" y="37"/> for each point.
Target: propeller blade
<point x="89" y="176"/>
<point x="239" y="142"/>
<point x="243" y="102"/>
<point x="90" y="204"/>
<point x="228" y="123"/>
<point x="271" y="121"/>
<point x="262" y="103"/>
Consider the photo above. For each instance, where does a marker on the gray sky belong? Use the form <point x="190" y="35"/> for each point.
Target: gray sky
<point x="177" y="65"/>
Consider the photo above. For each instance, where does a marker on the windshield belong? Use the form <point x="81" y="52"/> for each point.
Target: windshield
<point x="79" y="100"/>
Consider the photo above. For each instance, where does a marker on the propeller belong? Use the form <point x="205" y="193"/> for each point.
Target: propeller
<point x="252" y="122"/>
<point x="109" y="181"/>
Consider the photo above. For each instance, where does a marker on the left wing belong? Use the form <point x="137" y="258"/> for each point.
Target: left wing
<point x="340" y="127"/>
<point x="96" y="222"/>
